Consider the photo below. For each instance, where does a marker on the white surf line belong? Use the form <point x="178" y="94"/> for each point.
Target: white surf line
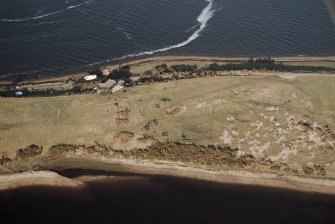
<point x="192" y="28"/>
<point x="206" y="14"/>
<point x="45" y="15"/>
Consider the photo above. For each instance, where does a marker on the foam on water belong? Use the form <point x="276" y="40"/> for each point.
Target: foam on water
<point x="71" y="40"/>
<point x="192" y="28"/>
<point x="45" y="15"/>
<point x="206" y="14"/>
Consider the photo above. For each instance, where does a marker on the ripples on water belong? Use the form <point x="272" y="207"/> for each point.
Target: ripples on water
<point x="46" y="37"/>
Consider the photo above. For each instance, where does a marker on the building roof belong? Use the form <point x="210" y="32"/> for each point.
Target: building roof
<point x="110" y="83"/>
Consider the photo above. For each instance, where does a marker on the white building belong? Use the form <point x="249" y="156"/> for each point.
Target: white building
<point x="90" y="77"/>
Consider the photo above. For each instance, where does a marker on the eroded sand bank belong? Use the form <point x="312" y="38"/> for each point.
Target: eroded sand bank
<point x="49" y="178"/>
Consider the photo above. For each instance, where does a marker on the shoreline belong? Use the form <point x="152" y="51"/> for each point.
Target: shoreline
<point x="163" y="168"/>
<point x="260" y="179"/>
<point x="36" y="178"/>
<point x="163" y="59"/>
<point x="158" y="167"/>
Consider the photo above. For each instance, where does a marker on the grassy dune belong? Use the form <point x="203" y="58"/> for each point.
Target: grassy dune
<point x="289" y="121"/>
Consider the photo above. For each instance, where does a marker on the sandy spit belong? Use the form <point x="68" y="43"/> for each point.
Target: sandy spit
<point x="37" y="178"/>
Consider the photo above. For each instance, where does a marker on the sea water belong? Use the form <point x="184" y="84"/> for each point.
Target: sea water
<point x="162" y="199"/>
<point x="47" y="37"/>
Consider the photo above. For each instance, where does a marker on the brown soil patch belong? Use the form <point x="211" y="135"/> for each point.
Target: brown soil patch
<point x="122" y="117"/>
<point x="121" y="121"/>
<point x="171" y="112"/>
<point x="157" y="106"/>
<point x="124" y="136"/>
<point x="150" y="124"/>
<point x="123" y="113"/>
<point x="146" y="139"/>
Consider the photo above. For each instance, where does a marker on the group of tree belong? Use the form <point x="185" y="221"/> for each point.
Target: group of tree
<point x="266" y="64"/>
<point x="121" y="73"/>
<point x="184" y="68"/>
<point x="164" y="68"/>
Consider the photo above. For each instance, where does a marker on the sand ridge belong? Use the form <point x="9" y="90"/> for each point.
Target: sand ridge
<point x="36" y="178"/>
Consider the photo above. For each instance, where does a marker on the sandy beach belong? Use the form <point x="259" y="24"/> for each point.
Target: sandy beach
<point x="165" y="168"/>
<point x="229" y="176"/>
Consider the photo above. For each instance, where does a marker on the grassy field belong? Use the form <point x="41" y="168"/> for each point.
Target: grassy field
<point x="286" y="120"/>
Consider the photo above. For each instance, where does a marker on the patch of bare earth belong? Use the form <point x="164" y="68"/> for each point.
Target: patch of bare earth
<point x="171" y="112"/>
<point x="124" y="136"/>
<point x="122" y="117"/>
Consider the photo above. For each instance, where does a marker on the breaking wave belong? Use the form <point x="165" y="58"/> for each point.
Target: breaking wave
<point x="45" y="15"/>
<point x="206" y="14"/>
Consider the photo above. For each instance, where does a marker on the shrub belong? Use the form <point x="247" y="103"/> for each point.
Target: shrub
<point x="161" y="68"/>
<point x="121" y="74"/>
<point x="308" y="170"/>
<point x="3" y="89"/>
<point x="29" y="152"/>
<point x="147" y="72"/>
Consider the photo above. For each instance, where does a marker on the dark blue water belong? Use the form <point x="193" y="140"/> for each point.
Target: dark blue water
<point x="164" y="200"/>
<point x="52" y="37"/>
